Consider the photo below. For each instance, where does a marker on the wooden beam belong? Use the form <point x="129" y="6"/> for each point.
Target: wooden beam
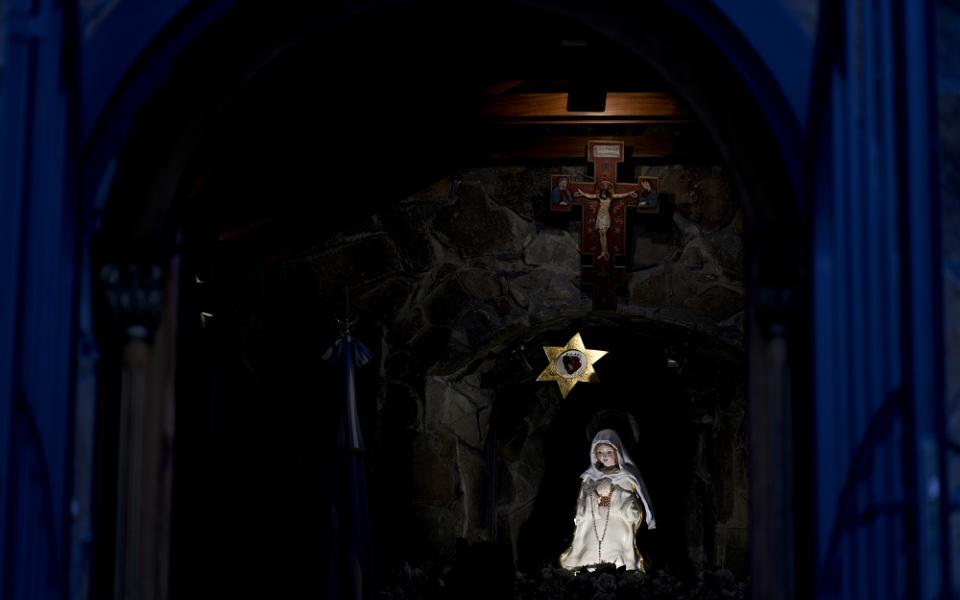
<point x="591" y="121"/>
<point x="532" y="147"/>
<point x="627" y="107"/>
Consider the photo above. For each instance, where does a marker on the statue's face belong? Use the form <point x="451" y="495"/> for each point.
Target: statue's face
<point x="606" y="455"/>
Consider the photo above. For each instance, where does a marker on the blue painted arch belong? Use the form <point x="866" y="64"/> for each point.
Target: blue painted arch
<point x="753" y="118"/>
<point x="133" y="52"/>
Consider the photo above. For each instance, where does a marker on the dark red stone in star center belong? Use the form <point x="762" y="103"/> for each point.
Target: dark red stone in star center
<point x="571" y="364"/>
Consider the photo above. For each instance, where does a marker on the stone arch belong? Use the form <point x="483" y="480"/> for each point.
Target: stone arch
<point x="753" y="153"/>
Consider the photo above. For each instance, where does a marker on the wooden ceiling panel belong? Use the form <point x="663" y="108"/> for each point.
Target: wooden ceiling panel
<point x="621" y="107"/>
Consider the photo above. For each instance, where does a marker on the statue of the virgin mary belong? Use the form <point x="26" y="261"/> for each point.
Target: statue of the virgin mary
<point x="612" y="505"/>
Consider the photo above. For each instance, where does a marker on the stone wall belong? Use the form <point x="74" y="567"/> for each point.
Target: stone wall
<point x="464" y="281"/>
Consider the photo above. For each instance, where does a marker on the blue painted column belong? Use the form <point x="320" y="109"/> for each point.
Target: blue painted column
<point x="37" y="270"/>
<point x="877" y="313"/>
<point x="924" y="322"/>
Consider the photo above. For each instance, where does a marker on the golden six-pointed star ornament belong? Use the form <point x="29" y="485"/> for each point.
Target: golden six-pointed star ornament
<point x="568" y="365"/>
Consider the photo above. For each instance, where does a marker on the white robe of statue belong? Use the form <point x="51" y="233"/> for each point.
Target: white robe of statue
<point x="606" y="523"/>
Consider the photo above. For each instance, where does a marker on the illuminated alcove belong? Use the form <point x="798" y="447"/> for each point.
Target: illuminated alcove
<point x="291" y="176"/>
<point x="677" y="399"/>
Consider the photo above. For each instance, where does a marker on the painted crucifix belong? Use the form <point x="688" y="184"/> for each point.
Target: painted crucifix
<point x="604" y="203"/>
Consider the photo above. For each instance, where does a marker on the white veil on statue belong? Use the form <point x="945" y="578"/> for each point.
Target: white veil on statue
<point x="626" y="476"/>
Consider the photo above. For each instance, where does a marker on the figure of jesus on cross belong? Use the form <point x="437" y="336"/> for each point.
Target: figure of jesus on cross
<point x="604" y="196"/>
<point x="603" y="204"/>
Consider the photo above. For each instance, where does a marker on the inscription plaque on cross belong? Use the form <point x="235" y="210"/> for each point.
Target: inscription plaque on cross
<point x="603" y="204"/>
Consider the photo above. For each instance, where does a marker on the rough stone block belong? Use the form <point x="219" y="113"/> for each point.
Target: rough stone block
<point x="544" y="288"/>
<point x="476" y="227"/>
<point x="558" y="250"/>
<point x="647" y="288"/>
<point x="648" y="252"/>
<point x="409" y="227"/>
<point x="726" y="248"/>
<point x="479" y="283"/>
<point x="718" y="303"/>
<point x="385" y="300"/>
<point x="434" y="469"/>
<point x="353" y="264"/>
<point x="460" y="410"/>
<point x="702" y="194"/>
